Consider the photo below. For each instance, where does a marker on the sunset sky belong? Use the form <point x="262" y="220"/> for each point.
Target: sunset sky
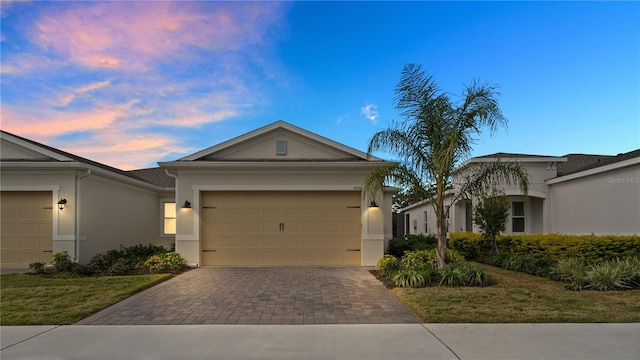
<point x="129" y="84"/>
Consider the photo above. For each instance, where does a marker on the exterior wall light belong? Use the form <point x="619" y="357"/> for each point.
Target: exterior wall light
<point x="62" y="203"/>
<point x="373" y="204"/>
<point x="187" y="205"/>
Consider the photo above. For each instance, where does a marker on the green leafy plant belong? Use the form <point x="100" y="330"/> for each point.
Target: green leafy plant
<point x="409" y="278"/>
<point x="398" y="246"/>
<point x="417" y="259"/>
<point x="164" y="263"/>
<point x="463" y="273"/>
<point x="388" y="265"/>
<point x="606" y="276"/>
<point x="38" y="267"/>
<point x="491" y="214"/>
<point x="62" y="262"/>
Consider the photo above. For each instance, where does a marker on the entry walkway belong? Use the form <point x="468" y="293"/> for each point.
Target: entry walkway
<point x="371" y="342"/>
<point x="261" y="295"/>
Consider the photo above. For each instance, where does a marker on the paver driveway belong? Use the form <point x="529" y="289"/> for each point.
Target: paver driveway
<point x="261" y="295"/>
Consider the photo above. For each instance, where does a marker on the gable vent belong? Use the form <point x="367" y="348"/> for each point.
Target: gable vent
<point x="281" y="147"/>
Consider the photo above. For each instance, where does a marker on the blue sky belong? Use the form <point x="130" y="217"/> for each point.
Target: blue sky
<point x="133" y="83"/>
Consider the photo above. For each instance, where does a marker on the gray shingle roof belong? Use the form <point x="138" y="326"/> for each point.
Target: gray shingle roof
<point x="156" y="176"/>
<point x="581" y="162"/>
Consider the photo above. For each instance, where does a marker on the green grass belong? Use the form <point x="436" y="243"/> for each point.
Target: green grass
<point x="34" y="300"/>
<point x="520" y="298"/>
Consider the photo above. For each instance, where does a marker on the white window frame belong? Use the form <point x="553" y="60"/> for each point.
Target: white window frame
<point x="172" y="216"/>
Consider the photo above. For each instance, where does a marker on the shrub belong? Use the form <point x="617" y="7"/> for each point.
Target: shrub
<point x="571" y="271"/>
<point x="463" y="273"/>
<point x="410" y="278"/>
<point x="590" y="248"/>
<point x="62" y="262"/>
<point x="417" y="259"/>
<point x="119" y="267"/>
<point x="388" y="265"/>
<point x="398" y="246"/>
<point x="163" y="263"/>
<point x="38" y="267"/>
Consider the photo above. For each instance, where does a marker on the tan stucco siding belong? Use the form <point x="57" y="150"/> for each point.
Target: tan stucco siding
<point x="264" y="147"/>
<point x="604" y="203"/>
<point x="115" y="214"/>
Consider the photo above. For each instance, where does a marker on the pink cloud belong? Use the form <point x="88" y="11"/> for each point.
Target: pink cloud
<point x="125" y="152"/>
<point x="43" y="126"/>
<point x="68" y="98"/>
<point x="131" y="35"/>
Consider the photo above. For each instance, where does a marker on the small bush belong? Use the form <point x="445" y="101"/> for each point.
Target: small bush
<point x="409" y="278"/>
<point x="464" y="273"/>
<point x="62" y="262"/>
<point x="388" y="265"/>
<point x="164" y="263"/>
<point x="398" y="246"/>
<point x="120" y="267"/>
<point x="38" y="267"/>
<point x="417" y="259"/>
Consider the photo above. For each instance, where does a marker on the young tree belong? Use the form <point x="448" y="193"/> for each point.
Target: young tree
<point x="433" y="139"/>
<point x="491" y="214"/>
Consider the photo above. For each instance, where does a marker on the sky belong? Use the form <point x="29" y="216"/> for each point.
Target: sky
<point x="130" y="84"/>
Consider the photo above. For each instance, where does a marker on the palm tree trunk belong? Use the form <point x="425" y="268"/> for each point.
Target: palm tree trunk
<point x="441" y="248"/>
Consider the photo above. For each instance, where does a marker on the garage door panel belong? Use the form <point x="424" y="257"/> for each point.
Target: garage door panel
<point x="282" y="228"/>
<point x="26" y="234"/>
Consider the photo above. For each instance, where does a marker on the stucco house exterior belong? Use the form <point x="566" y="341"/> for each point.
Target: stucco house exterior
<point x="279" y="195"/>
<point x="572" y="194"/>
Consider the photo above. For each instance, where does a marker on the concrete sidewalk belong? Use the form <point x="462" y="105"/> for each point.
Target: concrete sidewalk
<point x="399" y="341"/>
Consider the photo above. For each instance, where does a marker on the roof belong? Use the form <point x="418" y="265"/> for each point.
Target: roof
<point x="581" y="162"/>
<point x="64" y="156"/>
<point x="350" y="153"/>
<point x="155" y="176"/>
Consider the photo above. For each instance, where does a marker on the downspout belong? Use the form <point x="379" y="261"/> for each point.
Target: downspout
<point x="78" y="182"/>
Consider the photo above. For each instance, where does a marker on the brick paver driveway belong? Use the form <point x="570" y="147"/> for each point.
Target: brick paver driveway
<point x="261" y="295"/>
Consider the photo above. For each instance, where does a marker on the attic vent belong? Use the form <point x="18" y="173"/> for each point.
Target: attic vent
<point x="281" y="147"/>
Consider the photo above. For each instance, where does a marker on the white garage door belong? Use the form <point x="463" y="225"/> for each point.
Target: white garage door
<point x="26" y="227"/>
<point x="280" y="228"/>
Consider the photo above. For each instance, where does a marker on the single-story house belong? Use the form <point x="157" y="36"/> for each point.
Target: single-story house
<point x="279" y="195"/>
<point x="571" y="194"/>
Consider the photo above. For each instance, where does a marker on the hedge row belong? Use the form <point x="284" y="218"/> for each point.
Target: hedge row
<point x="588" y="248"/>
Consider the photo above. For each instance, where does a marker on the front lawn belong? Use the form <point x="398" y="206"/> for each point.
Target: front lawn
<point x="519" y="298"/>
<point x="35" y="300"/>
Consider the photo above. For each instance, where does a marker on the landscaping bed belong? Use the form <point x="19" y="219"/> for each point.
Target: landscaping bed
<point x="519" y="298"/>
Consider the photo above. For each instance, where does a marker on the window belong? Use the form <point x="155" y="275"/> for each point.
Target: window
<point x="407" y="224"/>
<point x="517" y="216"/>
<point x="169" y="225"/>
<point x="426" y="224"/>
<point x="281" y="147"/>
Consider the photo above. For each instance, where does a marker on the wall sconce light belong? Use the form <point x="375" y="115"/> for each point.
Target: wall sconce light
<point x="373" y="204"/>
<point x="187" y="205"/>
<point x="62" y="203"/>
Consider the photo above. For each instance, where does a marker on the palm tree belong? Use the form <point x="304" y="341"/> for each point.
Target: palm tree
<point x="434" y="139"/>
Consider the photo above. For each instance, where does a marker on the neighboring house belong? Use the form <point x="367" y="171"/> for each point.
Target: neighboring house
<point x="279" y="195"/>
<point x="572" y="194"/>
<point x="104" y="207"/>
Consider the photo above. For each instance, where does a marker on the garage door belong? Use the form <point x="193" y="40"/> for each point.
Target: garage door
<point x="280" y="228"/>
<point x="25" y="227"/>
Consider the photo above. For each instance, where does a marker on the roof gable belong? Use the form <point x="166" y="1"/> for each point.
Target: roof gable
<point x="261" y="145"/>
<point x="15" y="148"/>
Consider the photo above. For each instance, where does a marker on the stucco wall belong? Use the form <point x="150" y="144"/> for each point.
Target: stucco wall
<point x="605" y="203"/>
<point x="115" y="214"/>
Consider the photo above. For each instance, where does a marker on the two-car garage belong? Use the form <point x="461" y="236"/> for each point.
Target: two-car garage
<point x="280" y="227"/>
